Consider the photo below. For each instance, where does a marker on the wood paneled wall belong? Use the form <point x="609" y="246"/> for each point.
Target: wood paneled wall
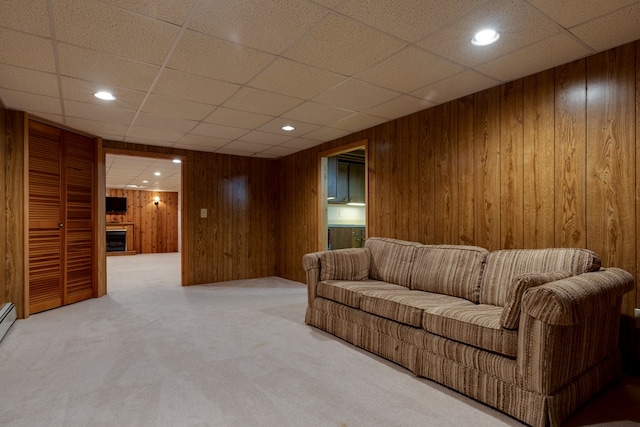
<point x="12" y="125"/>
<point x="547" y="160"/>
<point x="155" y="228"/>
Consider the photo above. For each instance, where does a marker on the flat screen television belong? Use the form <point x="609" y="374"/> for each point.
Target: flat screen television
<point x="116" y="204"/>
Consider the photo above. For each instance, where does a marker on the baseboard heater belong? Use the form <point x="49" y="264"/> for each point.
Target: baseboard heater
<point x="7" y="317"/>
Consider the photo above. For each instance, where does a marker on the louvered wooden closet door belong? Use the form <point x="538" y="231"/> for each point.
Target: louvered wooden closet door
<point x="79" y="227"/>
<point x="45" y="217"/>
<point x="61" y="217"/>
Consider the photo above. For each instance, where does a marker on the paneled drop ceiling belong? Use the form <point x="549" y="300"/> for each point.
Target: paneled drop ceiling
<point x="225" y="76"/>
<point x="142" y="173"/>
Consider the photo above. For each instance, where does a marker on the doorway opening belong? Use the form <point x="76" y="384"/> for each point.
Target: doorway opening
<point x="343" y="180"/>
<point x="145" y="199"/>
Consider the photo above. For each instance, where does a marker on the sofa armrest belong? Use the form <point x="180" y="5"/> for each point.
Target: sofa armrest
<point x="568" y="326"/>
<point x="312" y="266"/>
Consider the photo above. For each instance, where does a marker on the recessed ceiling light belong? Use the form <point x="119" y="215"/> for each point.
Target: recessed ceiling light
<point x="485" y="37"/>
<point x="157" y="173"/>
<point x="288" y="128"/>
<point x="107" y="96"/>
<point x="145" y="182"/>
<point x="178" y="161"/>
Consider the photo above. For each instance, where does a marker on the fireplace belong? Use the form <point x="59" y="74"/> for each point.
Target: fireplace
<point x="116" y="240"/>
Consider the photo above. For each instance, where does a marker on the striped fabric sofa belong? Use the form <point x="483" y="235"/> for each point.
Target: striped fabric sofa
<point x="530" y="332"/>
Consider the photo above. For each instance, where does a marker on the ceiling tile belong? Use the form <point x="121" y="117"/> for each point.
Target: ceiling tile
<point x="358" y="122"/>
<point x="166" y="123"/>
<point x="242" y="147"/>
<point x="101" y="67"/>
<point x="150" y="140"/>
<point x="321" y="114"/>
<point x="202" y="141"/>
<point x="83" y="90"/>
<point x="244" y="22"/>
<point x="331" y="4"/>
<point x="399" y="107"/>
<point x="230" y="152"/>
<point x="343" y="46"/>
<point x="29" y="16"/>
<point x="409" y="70"/>
<point x="218" y="131"/>
<point x="185" y="146"/>
<point x="153" y="134"/>
<point x="277" y="151"/>
<point x="455" y="87"/>
<point x="176" y="108"/>
<point x="178" y="84"/>
<point x="237" y="118"/>
<point x="55" y="118"/>
<point x="569" y="13"/>
<point x="355" y="95"/>
<point x="295" y="79"/>
<point x="326" y="134"/>
<point x="218" y="59"/>
<point x="615" y="29"/>
<point x="261" y="102"/>
<point x="265" y="155"/>
<point x="275" y="126"/>
<point x="408" y="19"/>
<point x="518" y="23"/>
<point x="540" y="56"/>
<point x="99" y="26"/>
<point x="300" y="143"/>
<point x="264" y="138"/>
<point x="103" y="113"/>
<point x="97" y="128"/>
<point x="25" y="80"/>
<point x="27" y="51"/>
<point x="165" y="10"/>
<point x="23" y="101"/>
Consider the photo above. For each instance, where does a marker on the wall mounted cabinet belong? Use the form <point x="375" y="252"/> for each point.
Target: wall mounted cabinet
<point x="345" y="181"/>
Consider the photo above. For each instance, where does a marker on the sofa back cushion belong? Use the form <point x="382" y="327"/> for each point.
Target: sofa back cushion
<point x="504" y="266"/>
<point x="345" y="264"/>
<point x="454" y="270"/>
<point x="391" y="259"/>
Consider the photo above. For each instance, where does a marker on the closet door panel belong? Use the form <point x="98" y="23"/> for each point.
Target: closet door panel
<point x="45" y="216"/>
<point x="79" y="160"/>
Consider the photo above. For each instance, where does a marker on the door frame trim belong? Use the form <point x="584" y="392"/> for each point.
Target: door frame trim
<point x="322" y="187"/>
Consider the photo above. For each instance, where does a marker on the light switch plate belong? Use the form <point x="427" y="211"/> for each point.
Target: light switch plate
<point x="203" y="213"/>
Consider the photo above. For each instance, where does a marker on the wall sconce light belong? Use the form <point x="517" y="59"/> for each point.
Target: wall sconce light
<point x="156" y="200"/>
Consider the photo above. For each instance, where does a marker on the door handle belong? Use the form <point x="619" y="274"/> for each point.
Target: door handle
<point x="60" y="225"/>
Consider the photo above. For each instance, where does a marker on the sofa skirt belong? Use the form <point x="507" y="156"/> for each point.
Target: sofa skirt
<point x="481" y="375"/>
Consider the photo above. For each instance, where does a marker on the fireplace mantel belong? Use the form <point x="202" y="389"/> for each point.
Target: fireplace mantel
<point x="128" y="227"/>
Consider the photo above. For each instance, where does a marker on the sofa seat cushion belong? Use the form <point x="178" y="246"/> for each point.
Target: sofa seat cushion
<point x="475" y="324"/>
<point x="405" y="306"/>
<point x="349" y="292"/>
<point x="454" y="270"/>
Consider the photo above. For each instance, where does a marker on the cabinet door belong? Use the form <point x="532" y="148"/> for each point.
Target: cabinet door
<point x="332" y="179"/>
<point x="356" y="183"/>
<point x="79" y="154"/>
<point x="340" y="237"/>
<point x="45" y="218"/>
<point x="342" y="195"/>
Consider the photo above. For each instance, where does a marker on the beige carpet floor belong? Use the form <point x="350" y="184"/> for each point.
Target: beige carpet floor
<point x="153" y="353"/>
